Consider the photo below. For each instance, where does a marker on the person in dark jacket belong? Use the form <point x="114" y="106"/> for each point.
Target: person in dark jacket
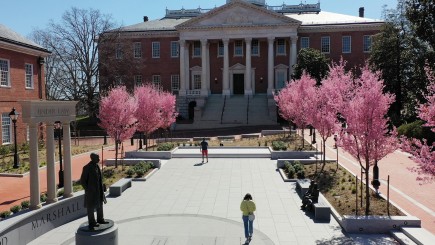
<point x="92" y="182"/>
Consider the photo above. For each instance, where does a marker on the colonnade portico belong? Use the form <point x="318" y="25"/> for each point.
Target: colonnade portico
<point x="185" y="78"/>
<point x="34" y="113"/>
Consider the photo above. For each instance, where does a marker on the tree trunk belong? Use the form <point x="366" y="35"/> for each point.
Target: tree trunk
<point x="116" y="154"/>
<point x="303" y="140"/>
<point x="367" y="189"/>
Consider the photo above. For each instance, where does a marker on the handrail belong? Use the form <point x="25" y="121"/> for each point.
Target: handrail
<point x="247" y="112"/>
<point x="223" y="108"/>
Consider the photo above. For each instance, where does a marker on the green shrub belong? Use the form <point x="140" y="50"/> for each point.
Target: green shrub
<point x="108" y="173"/>
<point x="300" y="174"/>
<point x="417" y="130"/>
<point x="279" y="145"/>
<point x="142" y="167"/>
<point x="25" y="204"/>
<point x="130" y="172"/>
<point x="5" y="214"/>
<point x="15" y="209"/>
<point x="60" y="192"/>
<point x="4" y="150"/>
<point x="165" y="146"/>
<point x="43" y="197"/>
<point x="24" y="147"/>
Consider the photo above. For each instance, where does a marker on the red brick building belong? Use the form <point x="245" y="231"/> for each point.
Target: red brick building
<point x="21" y="78"/>
<point x="243" y="47"/>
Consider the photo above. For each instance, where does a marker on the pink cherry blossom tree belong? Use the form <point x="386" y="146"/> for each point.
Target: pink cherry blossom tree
<point x="367" y="136"/>
<point x="116" y="116"/>
<point x="148" y="112"/>
<point x="295" y="100"/>
<point x="168" y="110"/>
<point x="328" y="102"/>
<point x="422" y="153"/>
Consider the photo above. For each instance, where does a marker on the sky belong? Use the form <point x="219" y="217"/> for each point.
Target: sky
<point x="23" y="16"/>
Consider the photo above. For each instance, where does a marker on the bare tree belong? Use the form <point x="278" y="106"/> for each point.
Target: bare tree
<point x="72" y="71"/>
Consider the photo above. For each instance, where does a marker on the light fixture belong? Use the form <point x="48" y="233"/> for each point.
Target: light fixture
<point x="261" y="79"/>
<point x="14" y="117"/>
<point x="215" y="80"/>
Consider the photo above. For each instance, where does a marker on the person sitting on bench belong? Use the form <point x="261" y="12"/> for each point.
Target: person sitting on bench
<point x="310" y="197"/>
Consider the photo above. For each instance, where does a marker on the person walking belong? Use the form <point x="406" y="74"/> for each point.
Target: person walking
<point x="204" y="149"/>
<point x="248" y="208"/>
<point x="91" y="180"/>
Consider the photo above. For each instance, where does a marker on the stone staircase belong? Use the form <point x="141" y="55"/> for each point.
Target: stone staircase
<point x="259" y="111"/>
<point x="235" y="111"/>
<point x="213" y="109"/>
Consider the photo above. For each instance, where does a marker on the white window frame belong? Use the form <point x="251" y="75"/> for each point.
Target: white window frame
<point x="196" y="49"/>
<point x="280" y="46"/>
<point x="137" y="50"/>
<point x="367" y="43"/>
<point x="5" y="80"/>
<point x="238" y="48"/>
<point x="196" y="80"/>
<point x="157" y="80"/>
<point x="175" y="82"/>
<point x="346" y="46"/>
<point x="155" y="49"/>
<point x="279" y="72"/>
<point x="6" y="129"/>
<point x="325" y="44"/>
<point x="137" y="80"/>
<point x="305" y="42"/>
<point x="28" y="68"/>
<point x="255" y="47"/>
<point x="175" y="49"/>
<point x="220" y="47"/>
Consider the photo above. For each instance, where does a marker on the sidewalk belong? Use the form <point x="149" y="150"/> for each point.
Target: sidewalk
<point x="407" y="193"/>
<point x="14" y="190"/>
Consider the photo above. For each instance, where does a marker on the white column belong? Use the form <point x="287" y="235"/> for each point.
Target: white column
<point x="204" y="91"/>
<point x="226" y="76"/>
<point x="182" y="91"/>
<point x="51" y="170"/>
<point x="187" y="67"/>
<point x="293" y="55"/>
<point x="35" y="202"/>
<point x="248" y="87"/>
<point x="67" y="170"/>
<point x="208" y="69"/>
<point x="270" y="65"/>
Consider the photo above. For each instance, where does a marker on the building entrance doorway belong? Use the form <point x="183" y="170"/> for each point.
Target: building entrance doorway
<point x="238" y="83"/>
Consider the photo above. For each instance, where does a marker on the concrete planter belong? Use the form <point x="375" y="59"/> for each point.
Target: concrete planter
<point x="149" y="154"/>
<point x="377" y="224"/>
<point x="294" y="155"/>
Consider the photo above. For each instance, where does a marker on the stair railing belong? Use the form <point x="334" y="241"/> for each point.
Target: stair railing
<point x="247" y="112"/>
<point x="223" y="108"/>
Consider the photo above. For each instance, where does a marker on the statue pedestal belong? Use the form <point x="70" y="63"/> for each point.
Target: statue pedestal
<point x="105" y="234"/>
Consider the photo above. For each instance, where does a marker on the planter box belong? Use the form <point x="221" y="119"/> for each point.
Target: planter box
<point x="293" y="155"/>
<point x="131" y="161"/>
<point x="377" y="224"/>
<point x="149" y="154"/>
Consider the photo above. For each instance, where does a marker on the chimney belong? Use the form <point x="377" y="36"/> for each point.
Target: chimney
<point x="361" y="12"/>
<point x="145" y="18"/>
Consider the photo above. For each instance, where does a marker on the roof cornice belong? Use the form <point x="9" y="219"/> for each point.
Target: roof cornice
<point x="372" y="26"/>
<point x="17" y="44"/>
<point x="22" y="48"/>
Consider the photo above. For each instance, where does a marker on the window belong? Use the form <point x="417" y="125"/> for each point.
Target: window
<point x="346" y="44"/>
<point x="138" y="80"/>
<point x="220" y="49"/>
<point x="175" y="82"/>
<point x="367" y="43"/>
<point x="196" y="49"/>
<point x="305" y="42"/>
<point x="137" y="50"/>
<point x="29" y="75"/>
<point x="118" y="51"/>
<point x="6" y="128"/>
<point x="280" y="47"/>
<point x="4" y="73"/>
<point x="238" y="48"/>
<point x="255" y="48"/>
<point x="325" y="45"/>
<point x="281" y="77"/>
<point x="157" y="81"/>
<point x="175" y="49"/>
<point x="196" y="81"/>
<point x="156" y="49"/>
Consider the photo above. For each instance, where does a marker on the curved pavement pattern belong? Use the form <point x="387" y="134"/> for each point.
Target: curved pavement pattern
<point x="187" y="202"/>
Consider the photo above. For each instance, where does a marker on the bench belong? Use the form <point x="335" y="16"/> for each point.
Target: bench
<point x="302" y="186"/>
<point x="118" y="187"/>
<point x="322" y="210"/>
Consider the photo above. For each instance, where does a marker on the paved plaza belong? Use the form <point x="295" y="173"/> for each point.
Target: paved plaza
<point x="190" y="203"/>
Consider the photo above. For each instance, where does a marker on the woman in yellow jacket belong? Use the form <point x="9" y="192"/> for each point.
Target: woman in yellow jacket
<point x="248" y="207"/>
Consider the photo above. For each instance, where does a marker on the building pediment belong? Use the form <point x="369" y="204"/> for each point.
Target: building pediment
<point x="237" y="66"/>
<point x="238" y="14"/>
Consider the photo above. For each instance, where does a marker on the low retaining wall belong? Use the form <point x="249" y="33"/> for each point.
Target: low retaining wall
<point x="290" y="155"/>
<point x="172" y="140"/>
<point x="26" y="227"/>
<point x="275" y="132"/>
<point x="149" y="154"/>
<point x="131" y="161"/>
<point x="377" y="224"/>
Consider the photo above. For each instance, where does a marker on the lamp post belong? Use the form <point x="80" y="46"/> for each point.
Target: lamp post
<point x="14" y="116"/>
<point x="58" y="126"/>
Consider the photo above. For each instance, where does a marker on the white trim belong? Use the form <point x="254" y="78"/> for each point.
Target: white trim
<point x="329" y="44"/>
<point x="155" y="50"/>
<point x="31" y="76"/>
<point x="177" y="45"/>
<point x="137" y="50"/>
<point x="8" y="75"/>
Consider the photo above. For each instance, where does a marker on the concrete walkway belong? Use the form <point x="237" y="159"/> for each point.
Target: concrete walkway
<point x="190" y="203"/>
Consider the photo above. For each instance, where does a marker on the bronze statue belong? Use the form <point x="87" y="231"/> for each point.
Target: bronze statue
<point x="92" y="182"/>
